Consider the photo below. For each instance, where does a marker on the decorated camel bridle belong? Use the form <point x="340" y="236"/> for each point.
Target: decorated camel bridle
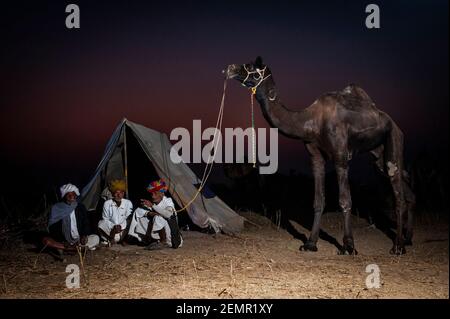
<point x="260" y="78"/>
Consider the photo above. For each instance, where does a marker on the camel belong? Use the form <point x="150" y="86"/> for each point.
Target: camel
<point x="337" y="126"/>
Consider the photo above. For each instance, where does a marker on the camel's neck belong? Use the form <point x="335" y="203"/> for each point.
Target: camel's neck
<point x="294" y="124"/>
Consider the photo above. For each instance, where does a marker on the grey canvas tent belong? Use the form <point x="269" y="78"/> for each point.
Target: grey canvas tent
<point x="140" y="154"/>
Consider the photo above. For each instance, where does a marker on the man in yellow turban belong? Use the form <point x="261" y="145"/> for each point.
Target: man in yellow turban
<point x="113" y="224"/>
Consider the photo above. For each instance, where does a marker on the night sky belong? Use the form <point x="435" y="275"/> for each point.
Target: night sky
<point x="159" y="63"/>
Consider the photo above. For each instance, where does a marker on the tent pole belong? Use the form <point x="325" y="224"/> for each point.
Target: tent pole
<point x="126" y="161"/>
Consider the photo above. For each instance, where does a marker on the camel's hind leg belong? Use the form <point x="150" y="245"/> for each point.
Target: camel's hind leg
<point x="410" y="200"/>
<point x="393" y="155"/>
<point x="409" y="197"/>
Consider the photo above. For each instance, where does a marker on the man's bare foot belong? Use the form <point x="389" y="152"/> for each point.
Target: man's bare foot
<point x="105" y="243"/>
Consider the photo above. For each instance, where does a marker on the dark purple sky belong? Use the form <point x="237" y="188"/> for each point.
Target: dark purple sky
<point x="159" y="63"/>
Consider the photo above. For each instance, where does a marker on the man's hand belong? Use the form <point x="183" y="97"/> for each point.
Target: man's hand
<point x="151" y="214"/>
<point x="116" y="229"/>
<point x="146" y="202"/>
<point x="83" y="240"/>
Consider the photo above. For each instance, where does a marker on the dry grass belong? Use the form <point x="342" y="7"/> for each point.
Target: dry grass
<point x="263" y="262"/>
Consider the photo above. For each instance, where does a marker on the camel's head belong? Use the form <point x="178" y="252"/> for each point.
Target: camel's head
<point x="250" y="74"/>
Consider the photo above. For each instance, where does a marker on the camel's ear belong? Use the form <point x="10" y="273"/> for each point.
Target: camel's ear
<point x="259" y="62"/>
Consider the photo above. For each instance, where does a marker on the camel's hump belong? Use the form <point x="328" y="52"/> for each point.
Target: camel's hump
<point x="353" y="89"/>
<point x="355" y="98"/>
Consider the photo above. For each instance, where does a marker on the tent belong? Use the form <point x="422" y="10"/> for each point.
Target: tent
<point x="139" y="155"/>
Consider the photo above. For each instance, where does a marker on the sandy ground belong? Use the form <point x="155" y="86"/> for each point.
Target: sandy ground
<point x="263" y="262"/>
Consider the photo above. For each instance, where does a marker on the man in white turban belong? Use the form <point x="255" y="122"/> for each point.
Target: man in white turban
<point x="69" y="220"/>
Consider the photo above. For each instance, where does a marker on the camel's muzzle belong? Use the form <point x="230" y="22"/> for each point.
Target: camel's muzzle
<point x="231" y="71"/>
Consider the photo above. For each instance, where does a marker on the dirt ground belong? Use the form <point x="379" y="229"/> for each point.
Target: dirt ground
<point x="262" y="262"/>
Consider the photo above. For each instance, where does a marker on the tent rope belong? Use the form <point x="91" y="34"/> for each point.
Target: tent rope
<point x="210" y="162"/>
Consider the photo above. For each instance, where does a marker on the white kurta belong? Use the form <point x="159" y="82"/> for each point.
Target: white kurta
<point x="115" y="215"/>
<point x="92" y="240"/>
<point x="74" y="227"/>
<point x="139" y="223"/>
<point x="165" y="209"/>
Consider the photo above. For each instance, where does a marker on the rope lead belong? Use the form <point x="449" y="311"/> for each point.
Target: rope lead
<point x="209" y="163"/>
<point x="253" y="127"/>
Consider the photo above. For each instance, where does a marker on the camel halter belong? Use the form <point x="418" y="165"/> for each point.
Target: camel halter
<point x="259" y="78"/>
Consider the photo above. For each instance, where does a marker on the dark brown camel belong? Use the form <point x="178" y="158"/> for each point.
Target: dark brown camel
<point x="336" y="126"/>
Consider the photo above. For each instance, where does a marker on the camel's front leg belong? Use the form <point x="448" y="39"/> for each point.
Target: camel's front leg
<point x="345" y="204"/>
<point x="318" y="168"/>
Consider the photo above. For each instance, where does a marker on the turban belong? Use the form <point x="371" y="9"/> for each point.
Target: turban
<point x="157" y="186"/>
<point x="117" y="185"/>
<point x="68" y="188"/>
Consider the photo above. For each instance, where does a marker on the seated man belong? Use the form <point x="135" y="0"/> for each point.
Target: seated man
<point x="112" y="226"/>
<point x="138" y="231"/>
<point x="161" y="210"/>
<point x="69" y="221"/>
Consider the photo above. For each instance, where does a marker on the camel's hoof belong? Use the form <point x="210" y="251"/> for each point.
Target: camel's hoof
<point x="308" y="246"/>
<point x="348" y="251"/>
<point x="348" y="248"/>
<point x="397" y="250"/>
